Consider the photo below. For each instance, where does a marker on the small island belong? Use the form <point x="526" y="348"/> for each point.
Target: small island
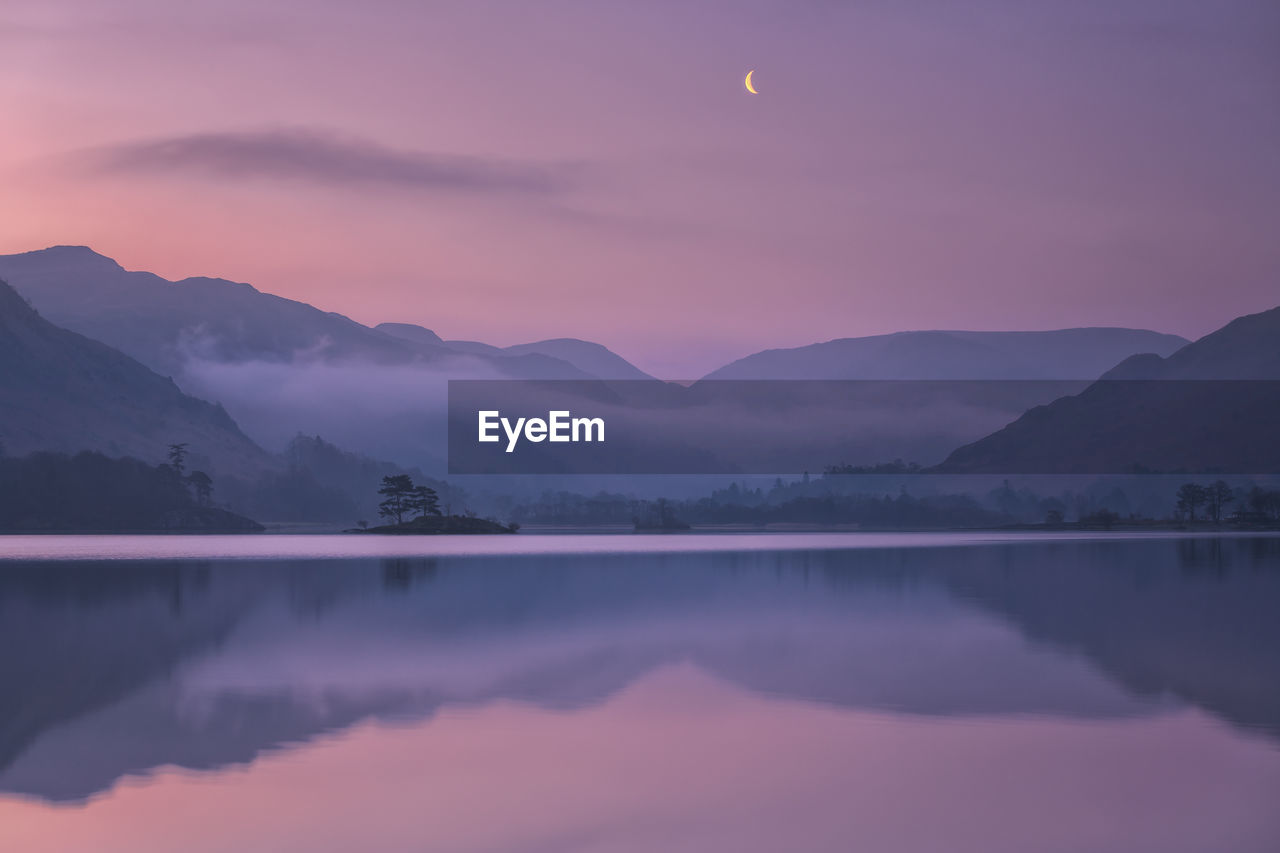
<point x="415" y="510"/>
<point x="438" y="524"/>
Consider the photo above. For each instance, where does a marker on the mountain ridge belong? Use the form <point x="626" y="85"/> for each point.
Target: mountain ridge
<point x="65" y="392"/>
<point x="592" y="359"/>
<point x="1072" y="353"/>
<point x="1211" y="407"/>
<point x="166" y="323"/>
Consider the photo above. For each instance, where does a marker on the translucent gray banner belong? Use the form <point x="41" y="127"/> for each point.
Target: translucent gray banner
<point x="787" y="426"/>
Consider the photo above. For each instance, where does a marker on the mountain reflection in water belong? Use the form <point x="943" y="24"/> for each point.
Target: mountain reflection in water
<point x="115" y="670"/>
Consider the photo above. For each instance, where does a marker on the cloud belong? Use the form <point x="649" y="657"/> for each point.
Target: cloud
<point x="327" y="159"/>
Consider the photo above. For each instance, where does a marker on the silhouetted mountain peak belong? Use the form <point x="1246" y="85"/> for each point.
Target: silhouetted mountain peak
<point x="1146" y="365"/>
<point x="206" y="281"/>
<point x="409" y="332"/>
<point x="62" y="258"/>
<point x="1197" y="417"/>
<point x="592" y="358"/>
<point x="162" y="323"/>
<point x="473" y="347"/>
<point x="166" y="324"/>
<point x="1245" y="348"/>
<point x="1082" y="353"/>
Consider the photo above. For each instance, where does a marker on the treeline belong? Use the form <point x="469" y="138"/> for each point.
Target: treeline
<point x="90" y="491"/>
<point x="900" y="511"/>
<point x="1253" y="505"/>
<point x="897" y="466"/>
<point x="316" y="482"/>
<point x="880" y="511"/>
<point x="320" y="482"/>
<point x="563" y="507"/>
<point x="834" y="498"/>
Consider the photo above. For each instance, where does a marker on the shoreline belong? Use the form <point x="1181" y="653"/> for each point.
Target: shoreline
<point x="274" y="530"/>
<point x="221" y="548"/>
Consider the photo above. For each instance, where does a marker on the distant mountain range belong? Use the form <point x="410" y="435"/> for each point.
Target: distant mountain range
<point x="1061" y="354"/>
<point x="1213" y="406"/>
<point x="592" y="359"/>
<point x="1246" y="348"/>
<point x="283" y="367"/>
<point x="62" y="391"/>
<point x="163" y="323"/>
<point x="166" y="324"/>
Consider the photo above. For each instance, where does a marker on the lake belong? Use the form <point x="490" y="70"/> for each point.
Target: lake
<point x="980" y="692"/>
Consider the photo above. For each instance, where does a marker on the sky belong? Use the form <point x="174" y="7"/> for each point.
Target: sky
<point x="513" y="171"/>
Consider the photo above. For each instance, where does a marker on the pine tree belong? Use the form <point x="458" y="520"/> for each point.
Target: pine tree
<point x="178" y="457"/>
<point x="398" y="492"/>
<point x="424" y="501"/>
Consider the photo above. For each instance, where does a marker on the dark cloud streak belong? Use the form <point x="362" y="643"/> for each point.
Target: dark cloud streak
<point x="326" y="159"/>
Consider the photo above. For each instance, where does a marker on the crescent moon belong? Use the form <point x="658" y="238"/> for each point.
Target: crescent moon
<point x="750" y="88"/>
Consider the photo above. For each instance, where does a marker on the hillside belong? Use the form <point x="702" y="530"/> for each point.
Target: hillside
<point x="588" y="357"/>
<point x="1246" y="348"/>
<point x="1060" y="354"/>
<point x="409" y="332"/>
<point x="594" y="360"/>
<point x="162" y="323"/>
<point x="166" y="324"/>
<point x="63" y="392"/>
<point x="89" y="492"/>
<point x="1212" y="407"/>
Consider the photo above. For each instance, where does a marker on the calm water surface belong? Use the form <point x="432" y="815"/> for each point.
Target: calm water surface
<point x="803" y="692"/>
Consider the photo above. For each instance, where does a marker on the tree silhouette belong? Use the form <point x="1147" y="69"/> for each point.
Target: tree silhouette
<point x="664" y="512"/>
<point x="424" y="501"/>
<point x="1265" y="503"/>
<point x="397" y="491"/>
<point x="1103" y="518"/>
<point x="88" y="491"/>
<point x="178" y="457"/>
<point x="1218" y="496"/>
<point x="1190" y="497"/>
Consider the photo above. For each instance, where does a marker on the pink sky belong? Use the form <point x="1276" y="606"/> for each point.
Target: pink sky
<point x="508" y="171"/>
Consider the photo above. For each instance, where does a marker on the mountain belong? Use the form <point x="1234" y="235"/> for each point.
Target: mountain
<point x="1061" y="354"/>
<point x="163" y="323"/>
<point x="167" y="324"/>
<point x="590" y="358"/>
<point x="61" y="391"/>
<point x="473" y="347"/>
<point x="279" y="366"/>
<point x="409" y="332"/>
<point x="1246" y="348"/>
<point x="1212" y="407"/>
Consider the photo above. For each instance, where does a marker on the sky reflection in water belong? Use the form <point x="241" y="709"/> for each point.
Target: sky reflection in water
<point x="1051" y="695"/>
